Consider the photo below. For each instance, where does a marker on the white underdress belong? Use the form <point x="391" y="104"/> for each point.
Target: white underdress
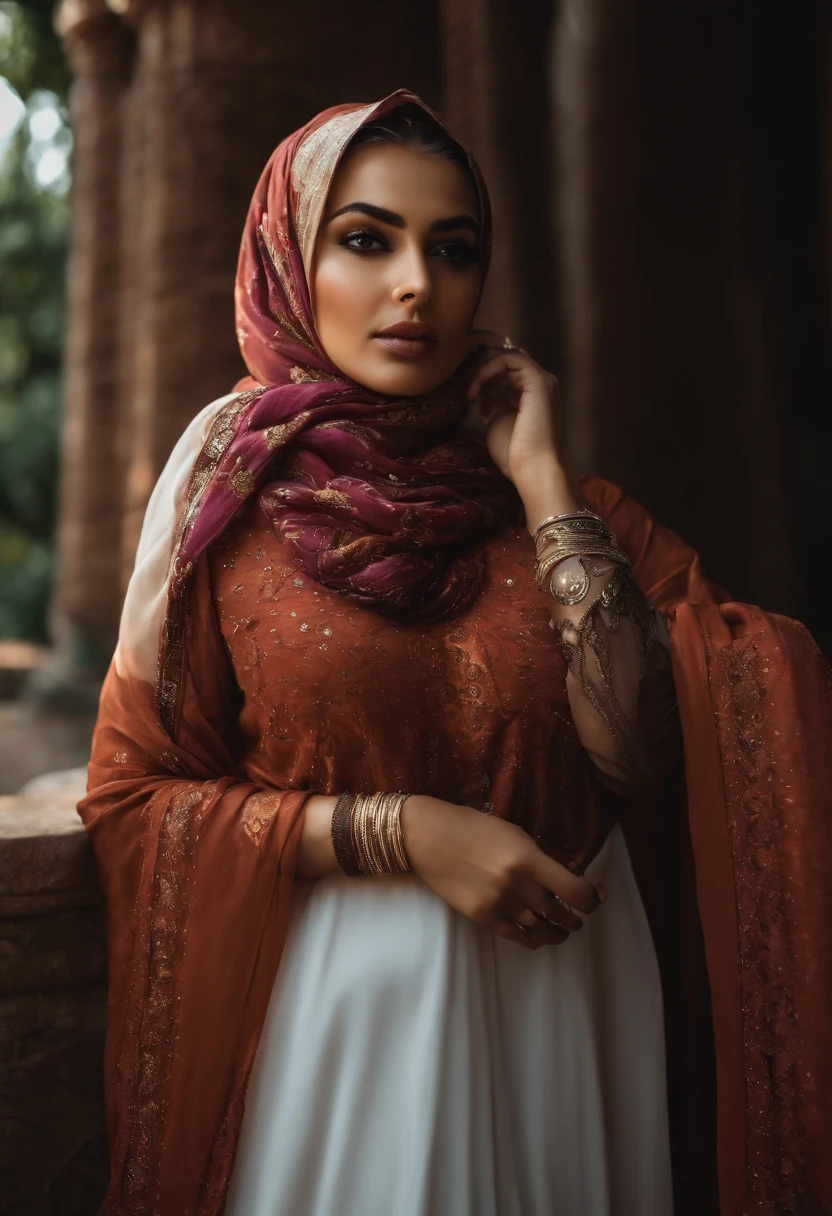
<point x="413" y="1064"/>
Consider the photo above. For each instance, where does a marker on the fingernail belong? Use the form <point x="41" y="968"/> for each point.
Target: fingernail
<point x="601" y="891"/>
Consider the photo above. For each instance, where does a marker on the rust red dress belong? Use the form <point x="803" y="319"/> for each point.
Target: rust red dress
<point x="412" y="1062"/>
<point x="196" y="843"/>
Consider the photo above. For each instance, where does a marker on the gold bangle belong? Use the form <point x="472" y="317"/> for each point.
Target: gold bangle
<point x="380" y="829"/>
<point x="372" y="832"/>
<point x="384" y="829"/>
<point x="355" y="831"/>
<point x="363" y="810"/>
<point x="581" y="516"/>
<point x="376" y="833"/>
<point x="396" y="834"/>
<point x="399" y="837"/>
<point x="547" y="564"/>
<point x="561" y="536"/>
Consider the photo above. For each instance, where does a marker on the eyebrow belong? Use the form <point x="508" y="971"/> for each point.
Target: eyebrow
<point x="398" y="221"/>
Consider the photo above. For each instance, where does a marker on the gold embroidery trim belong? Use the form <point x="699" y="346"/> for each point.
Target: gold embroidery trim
<point x="172" y="641"/>
<point x="312" y="170"/>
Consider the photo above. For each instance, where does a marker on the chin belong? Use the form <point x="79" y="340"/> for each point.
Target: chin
<point x="405" y="381"/>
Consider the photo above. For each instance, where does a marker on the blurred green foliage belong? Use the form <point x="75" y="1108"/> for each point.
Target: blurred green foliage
<point x="33" y="243"/>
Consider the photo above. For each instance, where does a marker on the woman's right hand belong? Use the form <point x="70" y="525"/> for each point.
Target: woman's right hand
<point x="493" y="872"/>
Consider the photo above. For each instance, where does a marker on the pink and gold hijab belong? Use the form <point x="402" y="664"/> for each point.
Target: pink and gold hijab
<point x="381" y="500"/>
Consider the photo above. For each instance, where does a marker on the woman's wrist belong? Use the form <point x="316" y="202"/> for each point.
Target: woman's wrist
<point x="316" y="855"/>
<point x="546" y="488"/>
<point x="418" y="819"/>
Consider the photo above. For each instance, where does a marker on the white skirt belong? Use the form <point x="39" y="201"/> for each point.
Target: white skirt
<point x="413" y="1064"/>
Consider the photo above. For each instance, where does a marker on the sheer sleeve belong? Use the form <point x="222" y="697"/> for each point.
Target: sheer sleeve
<point x="620" y="680"/>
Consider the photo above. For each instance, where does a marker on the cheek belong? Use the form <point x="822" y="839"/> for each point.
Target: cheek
<point x="342" y="298"/>
<point x="456" y="301"/>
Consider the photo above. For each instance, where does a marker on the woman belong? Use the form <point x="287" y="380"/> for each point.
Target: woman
<point x="340" y="594"/>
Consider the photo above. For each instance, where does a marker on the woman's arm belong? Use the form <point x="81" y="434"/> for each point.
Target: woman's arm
<point x="316" y="856"/>
<point x="489" y="870"/>
<point x="619" y="681"/>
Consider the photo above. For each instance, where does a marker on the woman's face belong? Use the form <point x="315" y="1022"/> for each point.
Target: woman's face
<point x="395" y="276"/>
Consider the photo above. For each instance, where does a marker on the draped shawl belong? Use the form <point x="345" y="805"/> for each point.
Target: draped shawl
<point x="197" y="862"/>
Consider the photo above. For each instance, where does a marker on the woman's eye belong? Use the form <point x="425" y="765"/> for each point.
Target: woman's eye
<point x="457" y="251"/>
<point x="362" y="242"/>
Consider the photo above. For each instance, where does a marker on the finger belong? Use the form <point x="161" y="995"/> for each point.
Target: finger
<point x="576" y="891"/>
<point x="491" y="410"/>
<point x="513" y="933"/>
<point x="538" y="930"/>
<point x="549" y="935"/>
<point x="548" y="909"/>
<point x="485" y="339"/>
<point x="495" y="368"/>
<point x="555" y="911"/>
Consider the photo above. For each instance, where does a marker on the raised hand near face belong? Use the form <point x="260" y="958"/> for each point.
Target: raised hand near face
<point x="519" y="402"/>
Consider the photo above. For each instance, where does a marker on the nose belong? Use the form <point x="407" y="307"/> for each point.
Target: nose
<point x="412" y="282"/>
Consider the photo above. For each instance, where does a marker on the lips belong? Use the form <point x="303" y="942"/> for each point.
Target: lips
<point x="409" y="339"/>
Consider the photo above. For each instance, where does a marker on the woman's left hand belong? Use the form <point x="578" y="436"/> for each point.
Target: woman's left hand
<point x="519" y="404"/>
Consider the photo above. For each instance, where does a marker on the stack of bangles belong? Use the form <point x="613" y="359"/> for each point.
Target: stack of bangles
<point x="367" y="834"/>
<point x="581" y="534"/>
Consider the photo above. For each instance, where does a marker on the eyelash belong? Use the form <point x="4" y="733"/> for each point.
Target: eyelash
<point x="464" y="254"/>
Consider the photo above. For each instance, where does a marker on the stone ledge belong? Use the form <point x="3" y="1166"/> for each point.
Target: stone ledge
<point x="46" y="863"/>
<point x="53" y="1001"/>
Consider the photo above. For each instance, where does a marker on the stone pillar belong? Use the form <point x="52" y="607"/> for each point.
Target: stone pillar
<point x="87" y="597"/>
<point x="496" y="68"/>
<point x="217" y="85"/>
<point x="672" y="383"/>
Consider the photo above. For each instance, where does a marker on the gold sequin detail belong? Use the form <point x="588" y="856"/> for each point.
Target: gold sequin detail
<point x="308" y="375"/>
<point x="280" y="261"/>
<point x="335" y="498"/>
<point x="440" y="411"/>
<point x="171" y="656"/>
<point x="258" y="812"/>
<point x="276" y="436"/>
<point x="242" y="482"/>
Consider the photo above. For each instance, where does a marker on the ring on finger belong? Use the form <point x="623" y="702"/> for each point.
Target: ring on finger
<point x="507" y="344"/>
<point x="528" y="927"/>
<point x="563" y="912"/>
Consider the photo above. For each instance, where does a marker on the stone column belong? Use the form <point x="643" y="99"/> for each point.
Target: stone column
<point x="496" y="68"/>
<point x="87" y="598"/>
<point x="672" y="382"/>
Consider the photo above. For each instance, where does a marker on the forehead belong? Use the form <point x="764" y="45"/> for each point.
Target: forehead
<point x="412" y="183"/>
